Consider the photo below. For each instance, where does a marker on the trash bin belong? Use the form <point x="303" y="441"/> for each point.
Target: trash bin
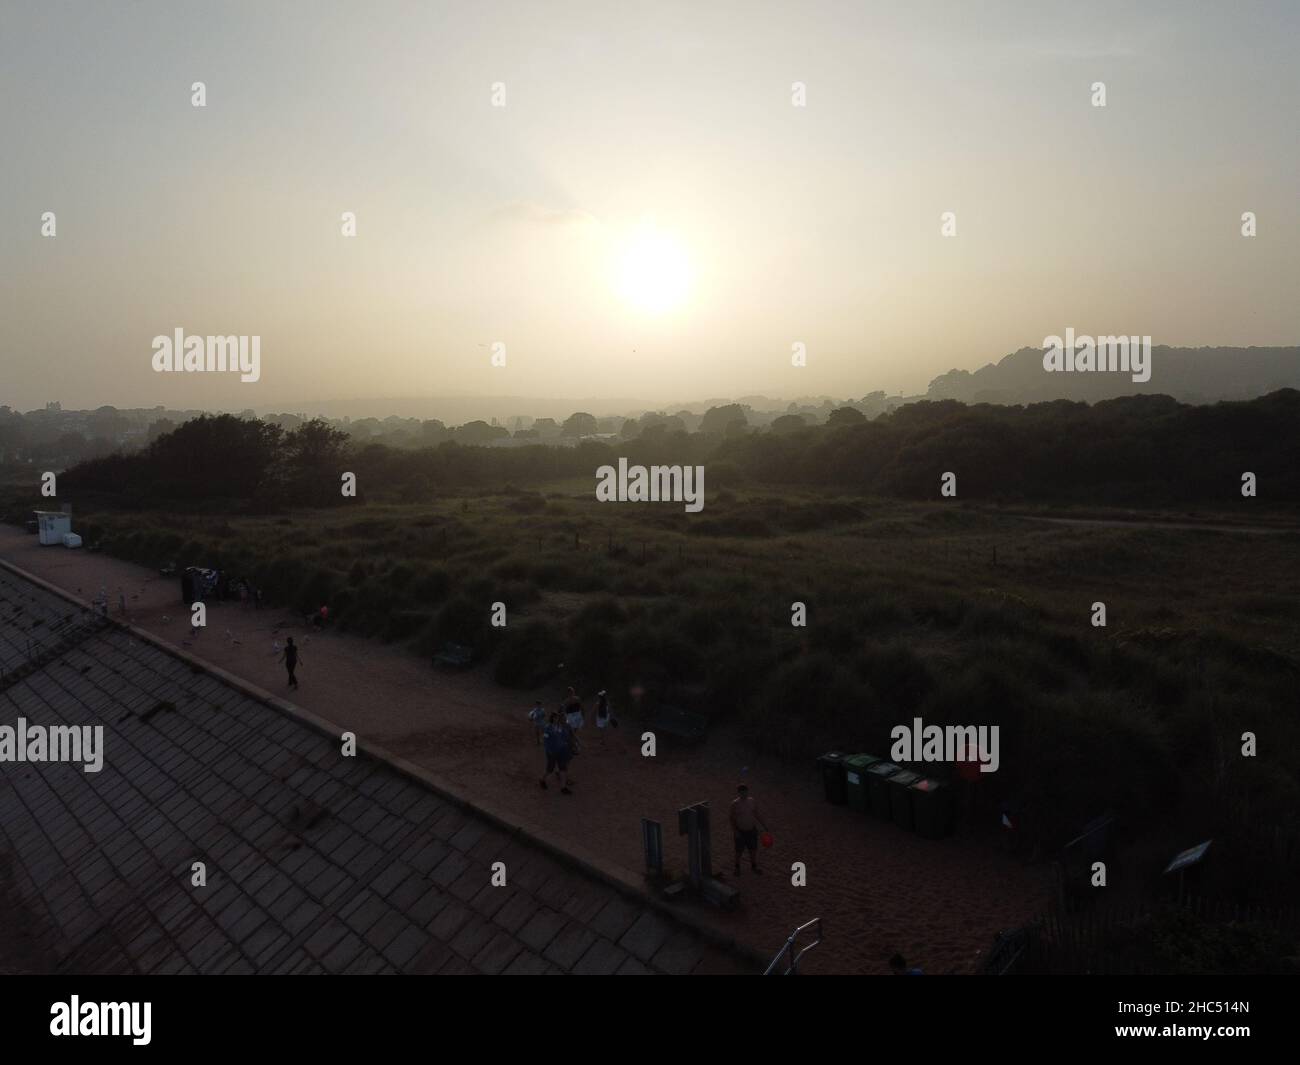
<point x="932" y="808"/>
<point x="879" y="775"/>
<point x="900" y="797"/>
<point x="831" y="765"/>
<point x="856" y="768"/>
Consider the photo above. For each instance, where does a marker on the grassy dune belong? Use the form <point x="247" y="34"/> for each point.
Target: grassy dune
<point x="955" y="614"/>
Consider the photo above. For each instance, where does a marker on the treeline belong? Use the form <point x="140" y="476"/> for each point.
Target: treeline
<point x="1137" y="450"/>
<point x="1148" y="450"/>
<point x="223" y="459"/>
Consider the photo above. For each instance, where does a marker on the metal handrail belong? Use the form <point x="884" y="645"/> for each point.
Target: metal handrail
<point x="788" y="949"/>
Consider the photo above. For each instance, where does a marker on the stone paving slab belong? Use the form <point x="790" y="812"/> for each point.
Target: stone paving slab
<point x="314" y="862"/>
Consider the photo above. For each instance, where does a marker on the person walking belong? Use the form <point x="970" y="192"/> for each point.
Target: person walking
<point x="745" y="820"/>
<point x="290" y="659"/>
<point x="537" y="715"/>
<point x="571" y="738"/>
<point x="604" y="719"/>
<point x="572" y="704"/>
<point x="556" y="746"/>
<point x="574" y="718"/>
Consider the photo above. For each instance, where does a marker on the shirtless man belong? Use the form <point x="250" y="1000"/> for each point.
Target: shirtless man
<point x="745" y="821"/>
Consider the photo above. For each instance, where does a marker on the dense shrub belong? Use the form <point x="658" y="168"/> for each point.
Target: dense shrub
<point x="530" y="654"/>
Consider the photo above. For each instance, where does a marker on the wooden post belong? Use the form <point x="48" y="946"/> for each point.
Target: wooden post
<point x="693" y="822"/>
<point x="652" y="839"/>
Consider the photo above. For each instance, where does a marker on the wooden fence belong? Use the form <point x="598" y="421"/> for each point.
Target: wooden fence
<point x="1108" y="940"/>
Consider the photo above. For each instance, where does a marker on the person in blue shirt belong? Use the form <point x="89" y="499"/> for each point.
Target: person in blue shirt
<point x="537" y="715"/>
<point x="556" y="744"/>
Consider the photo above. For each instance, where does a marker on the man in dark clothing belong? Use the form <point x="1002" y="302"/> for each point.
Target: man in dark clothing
<point x="290" y="659"/>
<point x="558" y="752"/>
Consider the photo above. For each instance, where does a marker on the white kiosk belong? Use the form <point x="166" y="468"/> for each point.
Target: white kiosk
<point x="53" y="525"/>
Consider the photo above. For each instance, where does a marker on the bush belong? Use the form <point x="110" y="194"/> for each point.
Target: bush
<point x="401" y="576"/>
<point x="731" y="525"/>
<point x="1185" y="943"/>
<point x="403" y="625"/>
<point x="317" y="589"/>
<point x="810" y="698"/>
<point x="900" y="678"/>
<point x="530" y="655"/>
<point x="463" y="621"/>
<point x="432" y="585"/>
<point x="527" y="503"/>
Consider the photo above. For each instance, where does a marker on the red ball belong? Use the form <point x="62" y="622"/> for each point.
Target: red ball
<point x="767" y="839"/>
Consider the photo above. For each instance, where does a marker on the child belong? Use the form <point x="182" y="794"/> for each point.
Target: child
<point x="573" y="717"/>
<point x="603" y="717"/>
<point x="537" y="715"/>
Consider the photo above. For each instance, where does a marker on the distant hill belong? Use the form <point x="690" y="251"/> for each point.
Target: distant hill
<point x="1191" y="375"/>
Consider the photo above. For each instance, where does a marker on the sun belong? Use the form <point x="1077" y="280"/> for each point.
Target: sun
<point x="654" y="272"/>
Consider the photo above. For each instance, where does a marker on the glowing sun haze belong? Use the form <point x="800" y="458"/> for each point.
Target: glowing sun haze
<point x="654" y="271"/>
<point x="648" y="215"/>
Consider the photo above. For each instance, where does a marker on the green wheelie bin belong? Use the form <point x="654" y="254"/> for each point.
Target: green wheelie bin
<point x="856" y="769"/>
<point x="900" y="797"/>
<point x="831" y="765"/>
<point x="932" y="808"/>
<point x="879" y="774"/>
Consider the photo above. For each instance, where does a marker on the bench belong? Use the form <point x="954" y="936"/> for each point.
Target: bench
<point x="455" y="655"/>
<point x="679" y="723"/>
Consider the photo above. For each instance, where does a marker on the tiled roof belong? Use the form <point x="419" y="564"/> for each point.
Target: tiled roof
<point x="315" y="861"/>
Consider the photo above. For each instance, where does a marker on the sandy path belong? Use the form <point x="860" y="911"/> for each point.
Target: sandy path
<point x="877" y="888"/>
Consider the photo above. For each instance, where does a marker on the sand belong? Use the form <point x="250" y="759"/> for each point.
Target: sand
<point x="878" y="889"/>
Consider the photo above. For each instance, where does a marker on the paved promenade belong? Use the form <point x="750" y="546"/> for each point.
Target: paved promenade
<point x="315" y="862"/>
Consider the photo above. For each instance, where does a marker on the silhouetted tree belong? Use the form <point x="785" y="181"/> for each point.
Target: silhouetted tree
<point x="717" y="419"/>
<point x="788" y="423"/>
<point x="844" y="416"/>
<point x="579" y="424"/>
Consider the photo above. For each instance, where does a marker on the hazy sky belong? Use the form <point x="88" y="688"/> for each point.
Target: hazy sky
<point x="648" y="215"/>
